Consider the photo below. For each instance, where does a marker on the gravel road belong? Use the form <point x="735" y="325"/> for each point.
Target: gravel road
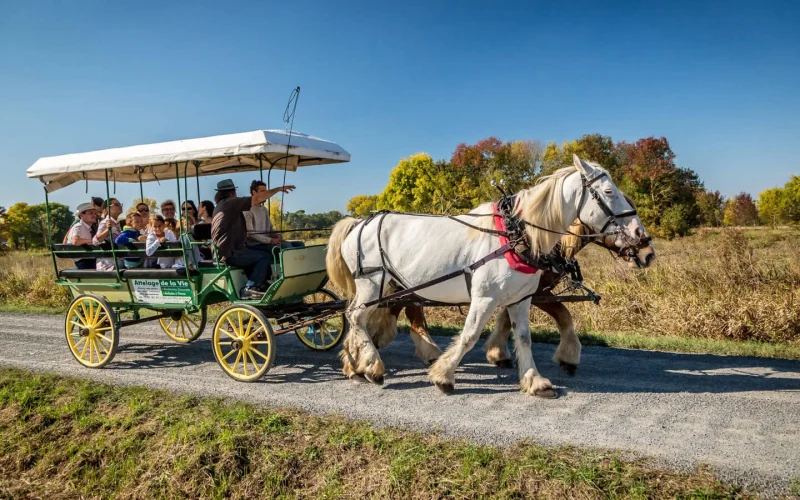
<point x="740" y="416"/>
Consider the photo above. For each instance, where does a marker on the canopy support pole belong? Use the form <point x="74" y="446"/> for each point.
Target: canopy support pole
<point x="197" y="178"/>
<point x="141" y="189"/>
<point x="111" y="234"/>
<point x="49" y="234"/>
<point x="180" y="230"/>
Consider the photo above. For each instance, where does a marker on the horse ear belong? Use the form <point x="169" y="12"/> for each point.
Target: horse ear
<point x="582" y="166"/>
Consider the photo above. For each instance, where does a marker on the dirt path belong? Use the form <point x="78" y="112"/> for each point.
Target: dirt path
<point x="739" y="415"/>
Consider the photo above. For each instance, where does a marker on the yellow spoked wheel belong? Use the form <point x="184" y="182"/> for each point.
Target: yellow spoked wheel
<point x="183" y="327"/>
<point x="91" y="330"/>
<point x="243" y="343"/>
<point x="327" y="333"/>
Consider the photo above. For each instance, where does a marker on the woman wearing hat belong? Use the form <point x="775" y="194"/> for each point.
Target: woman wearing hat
<point x="229" y="233"/>
<point x="81" y="232"/>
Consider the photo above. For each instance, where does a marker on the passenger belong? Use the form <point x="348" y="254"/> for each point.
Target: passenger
<point x="189" y="206"/>
<point x="108" y="229"/>
<point x="167" y="209"/>
<point x="159" y="235"/>
<point x="81" y="233"/>
<point x="171" y="224"/>
<point x="132" y="233"/>
<point x="260" y="234"/>
<point x="98" y="206"/>
<point x="192" y="250"/>
<point x="206" y="212"/>
<point x="229" y="233"/>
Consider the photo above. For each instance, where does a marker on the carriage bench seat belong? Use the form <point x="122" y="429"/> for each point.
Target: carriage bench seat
<point x="86" y="273"/>
<point x="157" y="273"/>
<point x="126" y="273"/>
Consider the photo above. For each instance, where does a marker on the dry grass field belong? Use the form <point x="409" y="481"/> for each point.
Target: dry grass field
<point x="718" y="284"/>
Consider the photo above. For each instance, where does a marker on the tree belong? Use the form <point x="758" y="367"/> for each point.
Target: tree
<point x="740" y="211"/>
<point x="773" y="206"/>
<point x="656" y="184"/>
<point x="474" y="167"/>
<point x="709" y="207"/>
<point x="151" y="203"/>
<point x="27" y="224"/>
<point x="362" y="205"/>
<point x="414" y="186"/>
<point x="781" y="205"/>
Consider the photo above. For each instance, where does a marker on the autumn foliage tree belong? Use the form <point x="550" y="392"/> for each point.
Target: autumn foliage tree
<point x="740" y="211"/>
<point x="781" y="205"/>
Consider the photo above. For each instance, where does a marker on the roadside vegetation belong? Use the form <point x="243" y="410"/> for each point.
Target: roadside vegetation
<point x="65" y="437"/>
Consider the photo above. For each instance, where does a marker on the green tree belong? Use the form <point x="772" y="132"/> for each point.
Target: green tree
<point x="362" y="205"/>
<point x="26" y="224"/>
<point x="709" y="207"/>
<point x="773" y="206"/>
<point x="656" y="184"/>
<point x="740" y="211"/>
<point x="415" y="185"/>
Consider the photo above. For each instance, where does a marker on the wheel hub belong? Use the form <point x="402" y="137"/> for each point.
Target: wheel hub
<point x="85" y="332"/>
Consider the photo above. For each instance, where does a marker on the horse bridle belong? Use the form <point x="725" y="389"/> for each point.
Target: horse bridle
<point x="612" y="217"/>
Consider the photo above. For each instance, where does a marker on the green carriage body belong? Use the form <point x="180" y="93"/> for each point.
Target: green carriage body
<point x="105" y="301"/>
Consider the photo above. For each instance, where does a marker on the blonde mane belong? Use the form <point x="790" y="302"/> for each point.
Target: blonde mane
<point x="542" y="205"/>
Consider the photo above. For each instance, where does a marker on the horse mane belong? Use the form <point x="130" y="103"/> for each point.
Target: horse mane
<point x="542" y="205"/>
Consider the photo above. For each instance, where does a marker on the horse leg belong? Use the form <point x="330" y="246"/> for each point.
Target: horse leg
<point x="443" y="372"/>
<point x="530" y="379"/>
<point x="359" y="355"/>
<point x="426" y="348"/>
<point x="496" y="346"/>
<point x="568" y="353"/>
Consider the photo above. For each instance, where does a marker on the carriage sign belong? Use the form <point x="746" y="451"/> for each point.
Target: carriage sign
<point x="162" y="291"/>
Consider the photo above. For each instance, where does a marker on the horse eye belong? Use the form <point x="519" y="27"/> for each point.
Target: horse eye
<point x="609" y="192"/>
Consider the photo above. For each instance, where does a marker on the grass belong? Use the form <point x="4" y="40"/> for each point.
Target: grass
<point x="65" y="437"/>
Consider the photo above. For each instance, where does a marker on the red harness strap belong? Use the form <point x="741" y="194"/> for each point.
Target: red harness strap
<point x="514" y="261"/>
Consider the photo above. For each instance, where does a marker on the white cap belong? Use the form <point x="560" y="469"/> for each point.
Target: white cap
<point x="84" y="207"/>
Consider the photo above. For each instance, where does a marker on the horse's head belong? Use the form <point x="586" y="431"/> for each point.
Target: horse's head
<point x="638" y="257"/>
<point x="604" y="209"/>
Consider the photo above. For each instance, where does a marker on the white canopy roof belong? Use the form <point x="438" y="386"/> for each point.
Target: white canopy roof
<point x="220" y="154"/>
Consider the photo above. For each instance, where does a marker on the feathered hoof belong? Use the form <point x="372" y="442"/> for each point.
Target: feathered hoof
<point x="546" y="393"/>
<point x="375" y="380"/>
<point x="568" y="368"/>
<point x="358" y="379"/>
<point x="504" y="363"/>
<point x="446" y="388"/>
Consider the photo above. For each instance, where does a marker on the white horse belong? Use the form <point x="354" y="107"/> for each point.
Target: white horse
<point x="418" y="250"/>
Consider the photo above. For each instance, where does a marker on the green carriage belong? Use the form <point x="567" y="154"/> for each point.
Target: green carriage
<point x="243" y="339"/>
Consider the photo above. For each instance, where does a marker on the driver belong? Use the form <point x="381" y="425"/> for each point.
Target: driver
<point x="229" y="234"/>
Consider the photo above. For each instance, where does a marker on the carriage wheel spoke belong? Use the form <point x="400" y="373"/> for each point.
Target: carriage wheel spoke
<point x="190" y="320"/>
<point x="78" y="343"/>
<point x="97" y="345"/>
<point x="228" y="355"/>
<point x="236" y="362"/>
<point x="78" y="324"/>
<point x="246" y="332"/>
<point x="253" y="360"/>
<point x="254" y="333"/>
<point x="104" y="329"/>
<point x="241" y="326"/>
<point x="96" y="318"/>
<point x="260" y="354"/>
<point x="234" y="329"/>
<point x="79" y="312"/>
<point x="259" y="342"/>
<point x="183" y="329"/>
<point x="101" y="336"/>
<point x="84" y="347"/>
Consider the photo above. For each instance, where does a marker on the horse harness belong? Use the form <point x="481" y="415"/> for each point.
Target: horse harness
<point x="514" y="231"/>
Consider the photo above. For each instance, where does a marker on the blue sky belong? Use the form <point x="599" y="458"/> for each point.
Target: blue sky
<point x="721" y="80"/>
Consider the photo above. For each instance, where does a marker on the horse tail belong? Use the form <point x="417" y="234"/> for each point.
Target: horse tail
<point x="338" y="272"/>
